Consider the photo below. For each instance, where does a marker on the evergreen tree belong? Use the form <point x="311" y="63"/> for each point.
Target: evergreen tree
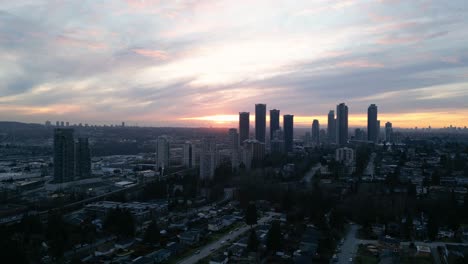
<point x="251" y="215"/>
<point x="252" y="245"/>
<point x="152" y="234"/>
<point x="432" y="227"/>
<point x="274" y="237"/>
<point x="120" y="222"/>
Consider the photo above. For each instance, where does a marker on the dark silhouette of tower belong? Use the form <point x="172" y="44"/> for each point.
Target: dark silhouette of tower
<point x="83" y="159"/>
<point x="244" y="126"/>
<point x="315" y="132"/>
<point x="288" y="123"/>
<point x="341" y="124"/>
<point x="331" y="126"/>
<point x="274" y="122"/>
<point x="372" y="129"/>
<point x="260" y="122"/>
<point x="388" y="132"/>
<point x="64" y="155"/>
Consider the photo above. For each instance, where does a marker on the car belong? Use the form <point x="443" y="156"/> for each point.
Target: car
<point x="351" y="260"/>
<point x="197" y="252"/>
<point x="222" y="242"/>
<point x="212" y="249"/>
<point x="228" y="239"/>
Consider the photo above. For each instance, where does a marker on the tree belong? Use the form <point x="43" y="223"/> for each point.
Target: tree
<point x="252" y="245"/>
<point x="152" y="234"/>
<point x="251" y="215"/>
<point x="120" y="223"/>
<point x="408" y="227"/>
<point x="435" y="179"/>
<point x="412" y="190"/>
<point x="274" y="238"/>
<point x="337" y="220"/>
<point x="12" y="252"/>
<point x="432" y="227"/>
<point x="76" y="260"/>
<point x="57" y="234"/>
<point x="465" y="206"/>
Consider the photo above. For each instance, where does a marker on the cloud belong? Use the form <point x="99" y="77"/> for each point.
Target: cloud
<point x="155" y="54"/>
<point x="360" y="64"/>
<point x="68" y="41"/>
<point x="158" y="62"/>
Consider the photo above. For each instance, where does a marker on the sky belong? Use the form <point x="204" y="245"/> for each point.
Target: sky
<point x="200" y="62"/>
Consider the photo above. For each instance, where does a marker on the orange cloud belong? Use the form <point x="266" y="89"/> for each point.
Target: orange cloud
<point x="58" y="109"/>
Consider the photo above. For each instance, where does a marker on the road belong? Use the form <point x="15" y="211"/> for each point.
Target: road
<point x="212" y="247"/>
<point x="89" y="248"/>
<point x="350" y="245"/>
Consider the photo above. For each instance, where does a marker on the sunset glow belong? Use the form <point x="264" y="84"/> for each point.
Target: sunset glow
<point x="200" y="63"/>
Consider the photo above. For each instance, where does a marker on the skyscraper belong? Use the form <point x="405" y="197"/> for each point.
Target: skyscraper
<point x="274" y="122"/>
<point x="331" y="126"/>
<point x="260" y="122"/>
<point x="341" y="124"/>
<point x="208" y="158"/>
<point x="388" y="132"/>
<point x="234" y="147"/>
<point x="372" y="132"/>
<point x="378" y="130"/>
<point x="64" y="155"/>
<point x="162" y="151"/>
<point x="252" y="151"/>
<point x="188" y="154"/>
<point x="244" y="126"/>
<point x="315" y="132"/>
<point x="82" y="159"/>
<point x="288" y="123"/>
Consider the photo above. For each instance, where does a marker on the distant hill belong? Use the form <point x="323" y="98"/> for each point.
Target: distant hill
<point x="18" y="125"/>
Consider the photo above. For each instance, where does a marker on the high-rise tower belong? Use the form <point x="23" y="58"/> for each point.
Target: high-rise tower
<point x="388" y="132"/>
<point x="341" y="124"/>
<point x="162" y="152"/>
<point x="372" y="130"/>
<point x="244" y="126"/>
<point x="274" y="122"/>
<point x="288" y="123"/>
<point x="260" y="122"/>
<point x="82" y="159"/>
<point x="315" y="132"/>
<point x="64" y="155"/>
<point x="331" y="126"/>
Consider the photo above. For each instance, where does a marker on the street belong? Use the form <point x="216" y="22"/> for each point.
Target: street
<point x="350" y="245"/>
<point x="212" y="247"/>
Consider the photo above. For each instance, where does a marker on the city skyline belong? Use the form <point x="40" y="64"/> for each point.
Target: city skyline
<point x="195" y="63"/>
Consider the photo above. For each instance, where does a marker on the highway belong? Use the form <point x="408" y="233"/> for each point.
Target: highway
<point x="207" y="250"/>
<point x="80" y="204"/>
